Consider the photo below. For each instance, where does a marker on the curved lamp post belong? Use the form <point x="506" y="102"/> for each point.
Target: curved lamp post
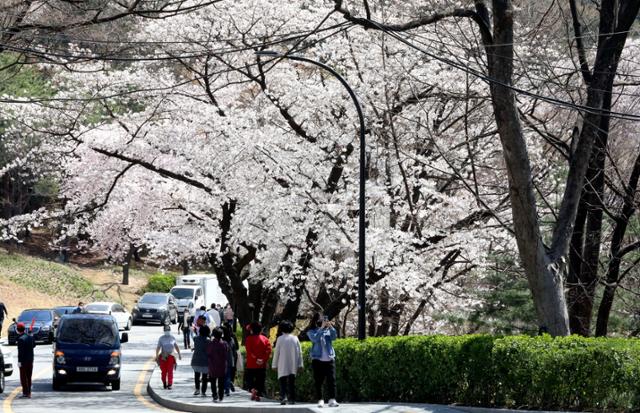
<point x="361" y="214"/>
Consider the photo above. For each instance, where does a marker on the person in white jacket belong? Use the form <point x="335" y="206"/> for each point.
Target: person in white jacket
<point x="287" y="360"/>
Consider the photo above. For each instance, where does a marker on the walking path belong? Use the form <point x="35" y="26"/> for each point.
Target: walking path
<point x="181" y="398"/>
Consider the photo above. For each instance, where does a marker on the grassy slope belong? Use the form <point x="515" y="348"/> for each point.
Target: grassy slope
<point x="27" y="281"/>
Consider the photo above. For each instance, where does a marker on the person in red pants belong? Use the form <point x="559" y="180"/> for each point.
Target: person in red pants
<point x="164" y="356"/>
<point x="26" y="343"/>
<point x="258" y="350"/>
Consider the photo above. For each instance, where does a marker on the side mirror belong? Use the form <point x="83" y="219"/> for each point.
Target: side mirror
<point x="124" y="338"/>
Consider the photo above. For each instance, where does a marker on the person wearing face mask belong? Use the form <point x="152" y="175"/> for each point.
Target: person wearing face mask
<point x="323" y="358"/>
<point x="164" y="356"/>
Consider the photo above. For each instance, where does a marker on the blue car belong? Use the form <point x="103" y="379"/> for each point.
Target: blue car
<point x="87" y="349"/>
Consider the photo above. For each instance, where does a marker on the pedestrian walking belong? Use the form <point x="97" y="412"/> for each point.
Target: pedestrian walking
<point x="230" y="375"/>
<point x="200" y="361"/>
<point x="185" y="327"/>
<point x="258" y="350"/>
<point x="287" y="360"/>
<point x="323" y="358"/>
<point x="228" y="314"/>
<point x="198" y="322"/>
<point x="217" y="353"/>
<point x="164" y="356"/>
<point x="214" y="317"/>
<point x="3" y="312"/>
<point x="26" y="343"/>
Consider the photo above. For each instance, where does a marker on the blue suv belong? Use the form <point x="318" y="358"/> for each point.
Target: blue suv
<point x="87" y="349"/>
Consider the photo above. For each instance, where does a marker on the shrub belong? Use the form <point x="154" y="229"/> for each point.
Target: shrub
<point x="516" y="371"/>
<point x="159" y="283"/>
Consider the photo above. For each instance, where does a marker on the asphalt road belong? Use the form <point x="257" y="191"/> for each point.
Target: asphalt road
<point x="137" y="363"/>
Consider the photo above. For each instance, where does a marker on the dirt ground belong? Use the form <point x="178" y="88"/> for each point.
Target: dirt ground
<point x="17" y="298"/>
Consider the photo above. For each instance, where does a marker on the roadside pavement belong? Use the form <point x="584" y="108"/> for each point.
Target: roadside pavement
<point x="181" y="398"/>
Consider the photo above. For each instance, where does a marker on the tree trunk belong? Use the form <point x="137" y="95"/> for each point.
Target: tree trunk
<point x="544" y="276"/>
<point x="617" y="251"/>
<point x="125" y="265"/>
<point x="583" y="277"/>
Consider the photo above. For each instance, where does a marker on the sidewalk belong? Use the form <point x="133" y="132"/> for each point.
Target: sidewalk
<point x="181" y="398"/>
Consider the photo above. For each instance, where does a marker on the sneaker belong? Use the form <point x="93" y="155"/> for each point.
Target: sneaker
<point x="197" y="392"/>
<point x="320" y="403"/>
<point x="164" y="385"/>
<point x="215" y="400"/>
<point x="204" y="394"/>
<point x="283" y="402"/>
<point x="333" y="403"/>
<point x="169" y="387"/>
<point x="254" y="394"/>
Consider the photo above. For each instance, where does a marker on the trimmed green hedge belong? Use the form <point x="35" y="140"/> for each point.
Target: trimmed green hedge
<point x="516" y="371"/>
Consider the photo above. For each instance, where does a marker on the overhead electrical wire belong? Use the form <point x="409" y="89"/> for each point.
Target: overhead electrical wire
<point x="491" y="80"/>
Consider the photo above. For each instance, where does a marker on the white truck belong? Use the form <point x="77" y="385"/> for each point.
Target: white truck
<point x="196" y="290"/>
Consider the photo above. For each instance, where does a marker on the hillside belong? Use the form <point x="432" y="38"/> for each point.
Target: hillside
<point x="28" y="281"/>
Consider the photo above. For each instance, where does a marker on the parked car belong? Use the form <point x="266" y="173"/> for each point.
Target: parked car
<point x="158" y="307"/>
<point x="44" y="321"/>
<point x="122" y="316"/>
<point x="87" y="349"/>
<point x="6" y="368"/>
<point x="64" y="309"/>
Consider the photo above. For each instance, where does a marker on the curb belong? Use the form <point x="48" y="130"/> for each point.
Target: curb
<point x="266" y="406"/>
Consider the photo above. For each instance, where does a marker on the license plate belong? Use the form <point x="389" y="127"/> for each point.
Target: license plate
<point x="147" y="315"/>
<point x="87" y="369"/>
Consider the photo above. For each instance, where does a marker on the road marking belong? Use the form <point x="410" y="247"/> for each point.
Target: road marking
<point x="6" y="406"/>
<point x="137" y="391"/>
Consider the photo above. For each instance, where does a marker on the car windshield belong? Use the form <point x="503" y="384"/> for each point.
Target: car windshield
<point x="60" y="311"/>
<point x="153" y="299"/>
<point x="87" y="331"/>
<point x="98" y="308"/>
<point x="39" y="315"/>
<point x="181" y="293"/>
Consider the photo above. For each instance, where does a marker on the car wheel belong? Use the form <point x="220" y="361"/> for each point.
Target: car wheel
<point x="2" y="381"/>
<point x="115" y="385"/>
<point x="128" y="327"/>
<point x="56" y="384"/>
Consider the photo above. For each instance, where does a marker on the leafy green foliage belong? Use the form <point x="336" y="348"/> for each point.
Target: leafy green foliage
<point x="19" y="79"/>
<point x="516" y="371"/>
<point x="160" y="283"/>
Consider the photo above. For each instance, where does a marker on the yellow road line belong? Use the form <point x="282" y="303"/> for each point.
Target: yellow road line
<point x="137" y="391"/>
<point x="6" y="406"/>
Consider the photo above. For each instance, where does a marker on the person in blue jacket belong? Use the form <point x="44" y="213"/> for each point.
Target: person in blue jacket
<point x="323" y="358"/>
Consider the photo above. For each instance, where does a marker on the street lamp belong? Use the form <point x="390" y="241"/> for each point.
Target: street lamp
<point x="361" y="214"/>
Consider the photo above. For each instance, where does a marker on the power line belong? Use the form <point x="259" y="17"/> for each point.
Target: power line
<point x="488" y="79"/>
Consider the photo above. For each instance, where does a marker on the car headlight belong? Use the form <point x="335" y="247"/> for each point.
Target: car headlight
<point x="115" y="359"/>
<point x="59" y="357"/>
